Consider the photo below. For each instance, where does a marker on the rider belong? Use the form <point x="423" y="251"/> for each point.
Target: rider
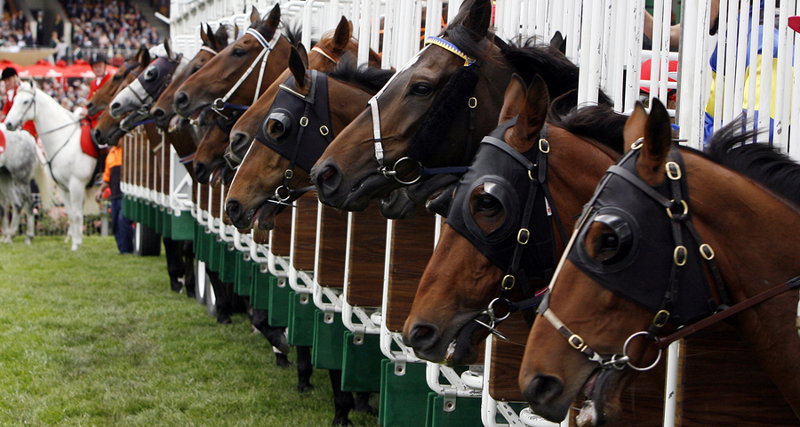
<point x="11" y="80"/>
<point x="101" y="75"/>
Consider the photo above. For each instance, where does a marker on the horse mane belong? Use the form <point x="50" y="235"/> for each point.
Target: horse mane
<point x="294" y="33"/>
<point x="559" y="73"/>
<point x="464" y="38"/>
<point x="371" y="79"/>
<point x="760" y="162"/>
<point x="598" y="122"/>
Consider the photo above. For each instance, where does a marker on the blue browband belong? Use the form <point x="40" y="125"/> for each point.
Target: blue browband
<point x="446" y="45"/>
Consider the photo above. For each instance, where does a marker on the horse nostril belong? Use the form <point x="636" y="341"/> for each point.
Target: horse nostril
<point x="234" y="210"/>
<point x="115" y="106"/>
<point x="543" y="389"/>
<point x="422" y="336"/>
<point x="158" y="113"/>
<point x="238" y="141"/>
<point x="328" y="178"/>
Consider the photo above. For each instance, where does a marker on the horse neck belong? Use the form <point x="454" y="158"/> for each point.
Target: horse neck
<point x="345" y="104"/>
<point x="574" y="167"/>
<point x="754" y="235"/>
<point x="48" y="116"/>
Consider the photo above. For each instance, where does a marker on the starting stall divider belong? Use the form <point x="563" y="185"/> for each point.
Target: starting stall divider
<point x="344" y="282"/>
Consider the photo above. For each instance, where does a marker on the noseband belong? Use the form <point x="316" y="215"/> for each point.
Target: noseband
<point x="408" y="170"/>
<point x="220" y="104"/>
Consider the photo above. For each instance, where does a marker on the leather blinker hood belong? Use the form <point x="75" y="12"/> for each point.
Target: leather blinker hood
<point x="641" y="268"/>
<point x="155" y="78"/>
<point x="304" y="120"/>
<point x="505" y="174"/>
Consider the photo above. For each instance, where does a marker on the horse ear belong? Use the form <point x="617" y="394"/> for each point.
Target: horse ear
<point x="254" y="16"/>
<point x="168" y="48"/>
<point x="221" y="36"/>
<point x="559" y="42"/>
<point x="563" y="104"/>
<point x="534" y="110"/>
<point x="343" y="33"/>
<point x="235" y="31"/>
<point x="143" y="56"/>
<point x="634" y="126"/>
<point x="274" y="17"/>
<point x="513" y="99"/>
<point x="301" y="50"/>
<point x="657" y="144"/>
<point x="205" y="35"/>
<point x="476" y="16"/>
<point x="297" y="67"/>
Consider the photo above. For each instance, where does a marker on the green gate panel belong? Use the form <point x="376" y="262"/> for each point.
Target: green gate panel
<point x="227" y="262"/>
<point x="182" y="225"/>
<point x="326" y="352"/>
<point x="158" y="219"/>
<point x="199" y="243"/>
<point x="261" y="285"/>
<point x="127" y="210"/>
<point x="245" y="275"/>
<point x="279" y="303"/>
<point x="466" y="413"/>
<point x="402" y="395"/>
<point x="301" y="319"/>
<point x="361" y="363"/>
<point x="429" y="409"/>
<point x="166" y="223"/>
<point x="214" y="253"/>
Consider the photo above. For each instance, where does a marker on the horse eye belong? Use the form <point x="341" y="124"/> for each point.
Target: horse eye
<point x="195" y="68"/>
<point x="488" y="204"/>
<point x="239" y="52"/>
<point x="606" y="247"/>
<point x="151" y="74"/>
<point x="117" y="77"/>
<point x="276" y="128"/>
<point x="614" y="241"/>
<point x="421" y="89"/>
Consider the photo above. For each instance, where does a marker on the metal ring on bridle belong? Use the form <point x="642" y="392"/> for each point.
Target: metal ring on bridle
<point x="393" y="171"/>
<point x="683" y="204"/>
<point x="287" y="193"/>
<point x="490" y="311"/>
<point x="218" y="104"/>
<point x="625" y="354"/>
<point x="637" y="144"/>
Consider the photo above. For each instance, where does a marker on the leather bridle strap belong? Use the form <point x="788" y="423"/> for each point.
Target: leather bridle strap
<point x="219" y="104"/>
<point x="325" y="54"/>
<point x="209" y="50"/>
<point x="793" y="283"/>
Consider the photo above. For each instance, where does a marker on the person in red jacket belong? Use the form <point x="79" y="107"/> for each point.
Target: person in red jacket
<point x="11" y="80"/>
<point x="101" y="76"/>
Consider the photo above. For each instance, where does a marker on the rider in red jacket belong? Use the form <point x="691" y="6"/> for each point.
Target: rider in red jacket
<point x="11" y="80"/>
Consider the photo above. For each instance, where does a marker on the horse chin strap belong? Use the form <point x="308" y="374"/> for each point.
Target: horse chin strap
<point x="376" y="119"/>
<point x="220" y="103"/>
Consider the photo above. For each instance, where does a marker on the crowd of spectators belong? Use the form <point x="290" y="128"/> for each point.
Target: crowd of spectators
<point x="114" y="25"/>
<point x="15" y="31"/>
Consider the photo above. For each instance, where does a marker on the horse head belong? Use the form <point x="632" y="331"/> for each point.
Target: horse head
<point x="236" y="74"/>
<point x="126" y="74"/>
<point x="24" y="106"/>
<point x="213" y="42"/>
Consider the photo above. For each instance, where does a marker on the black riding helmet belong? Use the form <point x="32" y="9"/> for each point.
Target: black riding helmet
<point x="8" y="72"/>
<point x="97" y="58"/>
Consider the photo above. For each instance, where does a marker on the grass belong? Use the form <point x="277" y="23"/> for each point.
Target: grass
<point x="95" y="338"/>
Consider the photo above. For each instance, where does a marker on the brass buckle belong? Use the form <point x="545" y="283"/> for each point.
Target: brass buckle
<point x="508" y="282"/>
<point x="304" y="121"/>
<point x="544" y="145"/>
<point x="706" y="251"/>
<point x="288" y="174"/>
<point x="661" y="318"/>
<point x="679" y="255"/>
<point x="523" y="236"/>
<point x="324" y="130"/>
<point x="472" y="102"/>
<point x="637" y="144"/>
<point x="685" y="209"/>
<point x="575" y="341"/>
<point x="673" y="171"/>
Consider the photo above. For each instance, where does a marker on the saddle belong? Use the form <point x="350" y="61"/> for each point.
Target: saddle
<point x="2" y="142"/>
<point x="87" y="145"/>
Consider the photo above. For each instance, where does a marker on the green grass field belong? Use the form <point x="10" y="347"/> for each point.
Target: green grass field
<point x="96" y="338"/>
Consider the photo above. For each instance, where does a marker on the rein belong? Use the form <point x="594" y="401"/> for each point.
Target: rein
<point x="219" y="104"/>
<point x="407" y="170"/>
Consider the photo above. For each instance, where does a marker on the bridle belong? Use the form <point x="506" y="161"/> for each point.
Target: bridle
<point x="314" y="114"/>
<point x="407" y="170"/>
<point x="220" y="104"/>
<point x="532" y="237"/>
<point x="676" y="206"/>
<point x="151" y="90"/>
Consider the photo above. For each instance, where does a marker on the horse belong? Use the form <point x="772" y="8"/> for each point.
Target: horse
<point x="212" y="86"/>
<point x="474" y="260"/>
<point x="260" y="188"/>
<point x="59" y="131"/>
<point x="129" y="70"/>
<point x="434" y="112"/>
<point x="213" y="42"/>
<point x="19" y="163"/>
<point x="671" y="242"/>
<point x="323" y="57"/>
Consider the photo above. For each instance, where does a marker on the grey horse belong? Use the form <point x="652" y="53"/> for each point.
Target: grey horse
<point x="18" y="165"/>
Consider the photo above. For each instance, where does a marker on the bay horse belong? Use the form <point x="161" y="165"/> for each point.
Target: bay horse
<point x="472" y="263"/>
<point x="235" y="76"/>
<point x="252" y="196"/>
<point x="59" y="131"/>
<point x="129" y="70"/>
<point x="213" y="42"/>
<point x="434" y="112"/>
<point x="19" y="163"/>
<point x="324" y="56"/>
<point x="670" y="238"/>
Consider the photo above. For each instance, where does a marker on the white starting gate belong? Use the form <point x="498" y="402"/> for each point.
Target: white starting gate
<point x="604" y="37"/>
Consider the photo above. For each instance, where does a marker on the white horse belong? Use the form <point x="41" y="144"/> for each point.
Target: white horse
<point x="60" y="133"/>
<point x="18" y="165"/>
